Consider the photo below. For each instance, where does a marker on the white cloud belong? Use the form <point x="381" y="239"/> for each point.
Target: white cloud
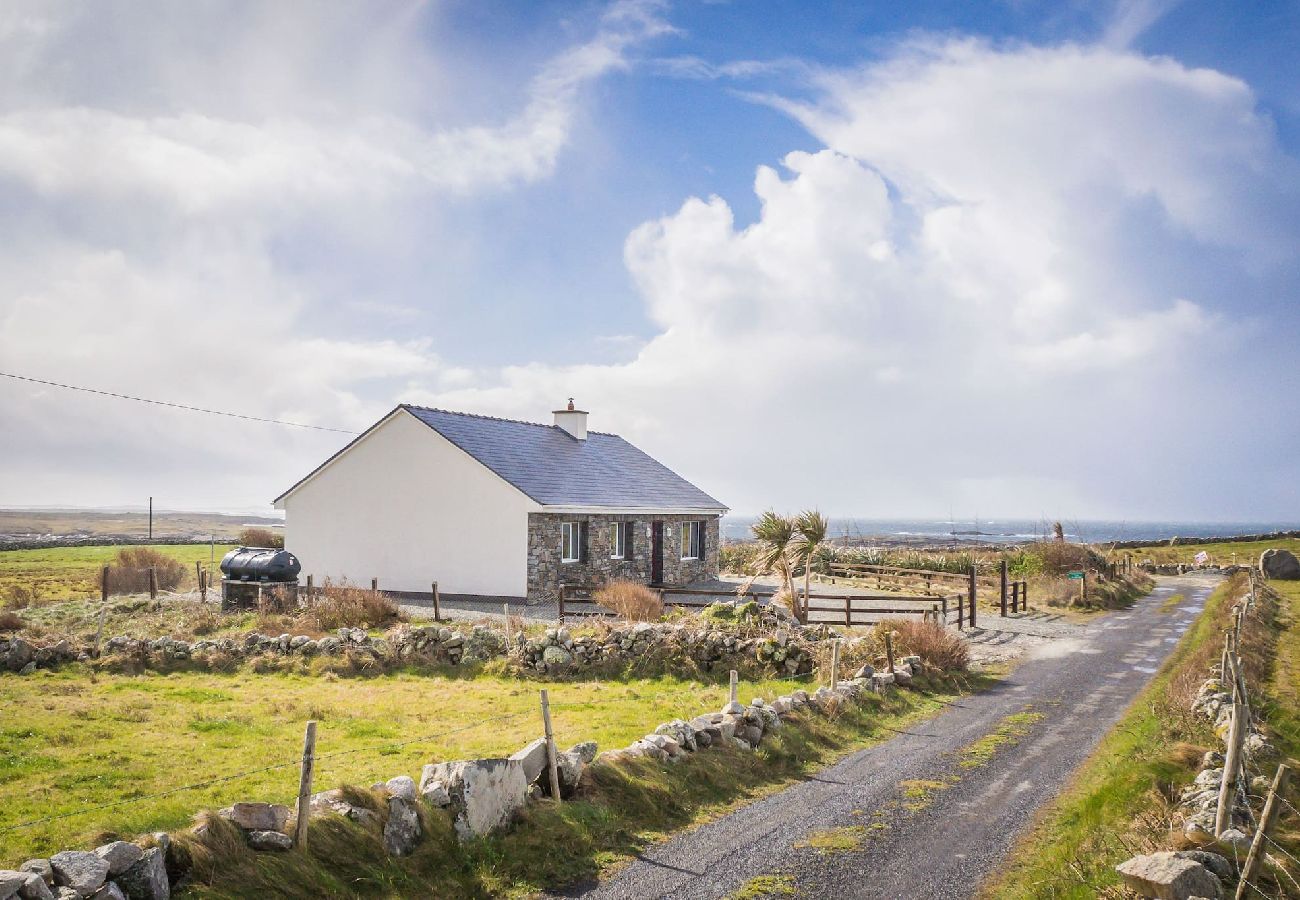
<point x="986" y="280"/>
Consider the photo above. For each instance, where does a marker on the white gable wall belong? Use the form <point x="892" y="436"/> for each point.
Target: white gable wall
<point x="408" y="507"/>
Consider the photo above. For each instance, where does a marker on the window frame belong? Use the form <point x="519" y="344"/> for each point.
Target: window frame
<point x="691" y="539"/>
<point x="618" y="540"/>
<point x="571" y="534"/>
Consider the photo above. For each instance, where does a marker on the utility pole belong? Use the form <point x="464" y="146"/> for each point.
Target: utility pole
<point x="151" y="518"/>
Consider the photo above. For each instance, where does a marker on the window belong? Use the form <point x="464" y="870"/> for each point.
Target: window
<point x="617" y="540"/>
<point x="692" y="540"/>
<point x="570" y="541"/>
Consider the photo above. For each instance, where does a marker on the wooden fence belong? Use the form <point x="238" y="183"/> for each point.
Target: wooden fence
<point x="839" y="609"/>
<point x="1012" y="596"/>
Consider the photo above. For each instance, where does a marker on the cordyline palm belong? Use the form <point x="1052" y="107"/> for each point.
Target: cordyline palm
<point x="775" y="534"/>
<point x="811" y="528"/>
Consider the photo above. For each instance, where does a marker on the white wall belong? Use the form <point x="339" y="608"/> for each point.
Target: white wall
<point x="408" y="507"/>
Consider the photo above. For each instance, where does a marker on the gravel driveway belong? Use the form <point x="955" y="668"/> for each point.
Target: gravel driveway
<point x="1078" y="681"/>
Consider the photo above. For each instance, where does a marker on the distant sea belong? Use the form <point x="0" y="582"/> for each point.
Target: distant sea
<point x="934" y="531"/>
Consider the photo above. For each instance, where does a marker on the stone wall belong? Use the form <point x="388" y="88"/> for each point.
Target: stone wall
<point x="546" y="571"/>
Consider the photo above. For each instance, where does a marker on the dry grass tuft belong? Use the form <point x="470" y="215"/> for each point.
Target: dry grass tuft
<point x="129" y="573"/>
<point x="936" y="645"/>
<point x="631" y="601"/>
<point x="261" y="537"/>
<point x="11" y="621"/>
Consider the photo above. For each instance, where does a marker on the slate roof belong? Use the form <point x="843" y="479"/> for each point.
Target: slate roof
<point x="556" y="469"/>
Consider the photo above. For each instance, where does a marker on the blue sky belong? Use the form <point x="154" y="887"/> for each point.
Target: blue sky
<point x="885" y="259"/>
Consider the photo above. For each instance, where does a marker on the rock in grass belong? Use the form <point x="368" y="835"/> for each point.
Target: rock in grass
<point x="402" y="830"/>
<point x="35" y="888"/>
<point x="120" y="856"/>
<point x="1281" y="564"/>
<point x="257" y="816"/>
<point x="1166" y="876"/>
<point x="147" y="879"/>
<point x="1216" y="863"/>
<point x="109" y="891"/>
<point x="402" y="786"/>
<point x="80" y="870"/>
<point x="40" y="867"/>
<point x="485" y="793"/>
<point x="270" y="841"/>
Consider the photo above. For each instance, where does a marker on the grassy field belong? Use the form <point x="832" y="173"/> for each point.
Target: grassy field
<point x="74" y="741"/>
<point x="1224" y="553"/>
<point x="1120" y="801"/>
<point x="63" y="573"/>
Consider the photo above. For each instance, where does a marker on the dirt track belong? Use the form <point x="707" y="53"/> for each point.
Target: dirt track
<point x="1072" y="689"/>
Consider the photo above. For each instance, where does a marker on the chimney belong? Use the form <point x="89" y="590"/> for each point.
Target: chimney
<point x="574" y="421"/>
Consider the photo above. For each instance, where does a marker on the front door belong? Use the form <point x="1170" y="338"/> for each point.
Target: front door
<point x="657" y="553"/>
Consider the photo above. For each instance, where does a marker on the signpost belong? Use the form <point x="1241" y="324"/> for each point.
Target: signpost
<point x="1082" y="578"/>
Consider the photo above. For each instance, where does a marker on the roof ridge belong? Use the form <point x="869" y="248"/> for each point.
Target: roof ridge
<point x="469" y="415"/>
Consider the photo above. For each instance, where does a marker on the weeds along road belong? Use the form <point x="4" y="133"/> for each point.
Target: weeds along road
<point x="933" y="811"/>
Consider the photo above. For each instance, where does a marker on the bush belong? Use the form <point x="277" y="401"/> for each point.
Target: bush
<point x="19" y="596"/>
<point x="261" y="537"/>
<point x="11" y="621"/>
<point x="129" y="574"/>
<point x="935" y="644"/>
<point x="329" y="608"/>
<point x="631" y="601"/>
<point x="1059" y="558"/>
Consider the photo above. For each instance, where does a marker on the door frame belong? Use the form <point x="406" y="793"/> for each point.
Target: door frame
<point x="657" y="552"/>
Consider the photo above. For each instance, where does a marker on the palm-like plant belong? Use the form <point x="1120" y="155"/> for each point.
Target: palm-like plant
<point x="775" y="533"/>
<point x="811" y="528"/>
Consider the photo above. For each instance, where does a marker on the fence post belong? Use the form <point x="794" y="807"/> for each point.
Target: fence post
<point x="1024" y="596"/>
<point x="971" y="595"/>
<point x="304" y="786"/>
<point x="889" y="650"/>
<point x="1003" y="571"/>
<point x="1083" y="588"/>
<point x="1228" y="786"/>
<point x="310" y="587"/>
<point x="198" y="575"/>
<point x="437" y="613"/>
<point x="374" y="585"/>
<point x="99" y="631"/>
<point x="153" y="583"/>
<point x="552" y="763"/>
<point x="735" y="685"/>
<point x="944" y="621"/>
<point x="563" y="588"/>
<point x="848" y="612"/>
<point x="1261" y="833"/>
<point x="505" y="618"/>
<point x="961" y="612"/>
<point x="103" y="585"/>
<point x="203" y="585"/>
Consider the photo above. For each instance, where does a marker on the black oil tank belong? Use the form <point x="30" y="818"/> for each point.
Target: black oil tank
<point x="260" y="564"/>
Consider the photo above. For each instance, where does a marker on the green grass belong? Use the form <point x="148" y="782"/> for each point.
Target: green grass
<point x="624" y="809"/>
<point x="834" y="840"/>
<point x="1118" y="802"/>
<point x="63" y="573"/>
<point x="765" y="886"/>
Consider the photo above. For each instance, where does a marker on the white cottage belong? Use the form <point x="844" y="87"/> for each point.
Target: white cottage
<point x="497" y="508"/>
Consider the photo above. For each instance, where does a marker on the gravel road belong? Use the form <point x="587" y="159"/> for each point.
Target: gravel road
<point x="936" y="841"/>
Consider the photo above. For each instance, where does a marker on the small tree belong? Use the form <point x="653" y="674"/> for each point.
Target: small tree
<point x="811" y="527"/>
<point x="775" y="533"/>
<point x="261" y="537"/>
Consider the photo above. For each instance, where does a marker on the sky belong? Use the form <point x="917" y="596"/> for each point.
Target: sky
<point x="1008" y="258"/>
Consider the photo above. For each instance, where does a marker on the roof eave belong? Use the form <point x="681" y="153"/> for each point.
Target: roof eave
<point x="634" y="510"/>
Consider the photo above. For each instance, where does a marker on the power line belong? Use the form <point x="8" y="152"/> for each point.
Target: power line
<point x="211" y="412"/>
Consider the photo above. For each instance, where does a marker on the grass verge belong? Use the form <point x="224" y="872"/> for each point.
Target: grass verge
<point x="28" y="577"/>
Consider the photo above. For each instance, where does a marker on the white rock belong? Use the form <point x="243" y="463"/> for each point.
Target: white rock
<point x="402" y="830"/>
<point x="1167" y="877"/>
<point x="402" y="786"/>
<point x="120" y="856"/>
<point x="533" y="759"/>
<point x="80" y="870"/>
<point x="257" y="816"/>
<point x="485" y="793"/>
<point x="270" y="841"/>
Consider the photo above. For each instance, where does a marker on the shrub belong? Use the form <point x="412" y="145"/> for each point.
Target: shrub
<point x="10" y="621"/>
<point x="129" y="573"/>
<point x="331" y="607"/>
<point x="19" y="596"/>
<point x="261" y="537"/>
<point x="935" y="644"/>
<point x="1058" y="558"/>
<point x="631" y="601"/>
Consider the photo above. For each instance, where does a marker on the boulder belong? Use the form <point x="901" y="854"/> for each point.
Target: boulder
<point x="270" y="841"/>
<point x="147" y="879"/>
<point x="257" y="816"/>
<point x="11" y="881"/>
<point x="120" y="856"/>
<point x="1166" y="876"/>
<point x="533" y="759"/>
<point x="1281" y="564"/>
<point x="80" y="870"/>
<point x="109" y="891"/>
<point x="556" y="656"/>
<point x="402" y="830"/>
<point x="484" y="793"/>
<point x="402" y="786"/>
<point x="34" y="888"/>
<point x="40" y="867"/>
<point x="1216" y="863"/>
<point x="334" y="801"/>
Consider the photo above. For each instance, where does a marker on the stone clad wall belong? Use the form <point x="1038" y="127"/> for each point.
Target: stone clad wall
<point x="546" y="572"/>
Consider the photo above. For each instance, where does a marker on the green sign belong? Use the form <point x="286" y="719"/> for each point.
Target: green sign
<point x="1076" y="575"/>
